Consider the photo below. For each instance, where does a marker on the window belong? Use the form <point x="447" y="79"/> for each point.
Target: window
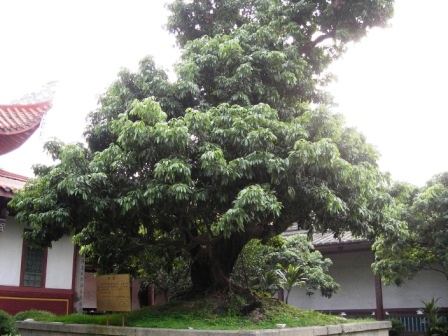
<point x="33" y="266"/>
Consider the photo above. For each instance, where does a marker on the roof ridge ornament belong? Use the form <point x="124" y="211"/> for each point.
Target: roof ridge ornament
<point x="46" y="93"/>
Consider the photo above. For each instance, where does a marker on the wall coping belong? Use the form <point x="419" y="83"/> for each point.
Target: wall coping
<point x="43" y="328"/>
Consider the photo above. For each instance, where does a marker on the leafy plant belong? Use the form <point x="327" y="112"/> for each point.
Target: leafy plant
<point x="40" y="315"/>
<point x="419" y="240"/>
<point x="397" y="327"/>
<point x="436" y="325"/>
<point x="257" y="265"/>
<point x="6" y="324"/>
<point x="290" y="276"/>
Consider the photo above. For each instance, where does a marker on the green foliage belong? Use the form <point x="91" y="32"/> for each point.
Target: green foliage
<point x="37" y="315"/>
<point x="397" y="327"/>
<point x="299" y="251"/>
<point x="195" y="19"/>
<point x="289" y="277"/>
<point x="251" y="51"/>
<point x="257" y="267"/>
<point x="234" y="305"/>
<point x="436" y="325"/>
<point x="6" y="324"/>
<point x="169" y="273"/>
<point x="239" y="147"/>
<point x="149" y="81"/>
<point x="252" y="269"/>
<point x="422" y="241"/>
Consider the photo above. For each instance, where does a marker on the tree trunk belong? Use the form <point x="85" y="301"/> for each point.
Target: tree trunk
<point x="287" y="296"/>
<point x="213" y="264"/>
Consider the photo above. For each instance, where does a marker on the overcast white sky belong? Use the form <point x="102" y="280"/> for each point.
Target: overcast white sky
<point x="391" y="85"/>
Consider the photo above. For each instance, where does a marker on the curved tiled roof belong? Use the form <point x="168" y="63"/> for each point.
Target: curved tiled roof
<point x="18" y="122"/>
<point x="10" y="182"/>
<point x="327" y="240"/>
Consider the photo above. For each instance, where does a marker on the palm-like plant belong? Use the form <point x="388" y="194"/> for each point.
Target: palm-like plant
<point x="437" y="325"/>
<point x="289" y="277"/>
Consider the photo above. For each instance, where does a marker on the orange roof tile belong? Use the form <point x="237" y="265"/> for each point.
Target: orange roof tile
<point x="18" y="122"/>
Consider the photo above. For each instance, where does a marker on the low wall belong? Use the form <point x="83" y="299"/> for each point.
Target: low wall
<point x="17" y="299"/>
<point x="58" y="329"/>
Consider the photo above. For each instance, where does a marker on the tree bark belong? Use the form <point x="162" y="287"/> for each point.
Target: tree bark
<point x="213" y="264"/>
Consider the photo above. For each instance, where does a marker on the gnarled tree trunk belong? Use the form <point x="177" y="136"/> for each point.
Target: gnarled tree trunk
<point x="213" y="263"/>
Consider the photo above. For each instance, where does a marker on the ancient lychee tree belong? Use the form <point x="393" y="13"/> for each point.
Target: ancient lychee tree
<point x="241" y="146"/>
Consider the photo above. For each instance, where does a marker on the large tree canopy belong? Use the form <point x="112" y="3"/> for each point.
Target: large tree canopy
<point x="233" y="150"/>
<point x="422" y="244"/>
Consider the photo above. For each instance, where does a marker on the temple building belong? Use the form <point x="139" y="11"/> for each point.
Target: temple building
<point x="54" y="279"/>
<point x="30" y="278"/>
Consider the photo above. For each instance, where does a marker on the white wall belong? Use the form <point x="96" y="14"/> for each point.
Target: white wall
<point x="60" y="264"/>
<point x="11" y="253"/>
<point x="353" y="273"/>
<point x="424" y="286"/>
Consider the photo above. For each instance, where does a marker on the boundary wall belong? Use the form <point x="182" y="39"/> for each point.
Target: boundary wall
<point x="27" y="328"/>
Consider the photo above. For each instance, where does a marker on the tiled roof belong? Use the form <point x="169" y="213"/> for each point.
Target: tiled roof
<point x="10" y="182"/>
<point x="329" y="239"/>
<point x="18" y="122"/>
<point x="326" y="239"/>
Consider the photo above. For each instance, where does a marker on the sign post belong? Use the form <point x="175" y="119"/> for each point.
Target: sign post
<point x="113" y="293"/>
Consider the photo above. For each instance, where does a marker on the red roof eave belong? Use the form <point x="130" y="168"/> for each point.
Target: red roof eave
<point x="16" y="119"/>
<point x="10" y="182"/>
<point x="18" y="122"/>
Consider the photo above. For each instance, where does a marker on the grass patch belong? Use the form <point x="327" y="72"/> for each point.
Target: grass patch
<point x="217" y="313"/>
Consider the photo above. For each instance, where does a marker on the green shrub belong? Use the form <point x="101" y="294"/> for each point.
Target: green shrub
<point x="37" y="315"/>
<point x="437" y="325"/>
<point x="440" y="328"/>
<point x="397" y="327"/>
<point x="6" y="324"/>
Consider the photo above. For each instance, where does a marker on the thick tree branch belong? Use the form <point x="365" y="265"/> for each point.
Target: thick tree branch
<point x="310" y="45"/>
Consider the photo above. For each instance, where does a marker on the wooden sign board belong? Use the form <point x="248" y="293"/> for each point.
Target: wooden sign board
<point x="113" y="293"/>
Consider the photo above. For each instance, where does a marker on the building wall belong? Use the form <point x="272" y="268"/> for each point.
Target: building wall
<point x="11" y="252"/>
<point x="60" y="264"/>
<point x="57" y="296"/>
<point x="425" y="286"/>
<point x="352" y="270"/>
<point x="60" y="259"/>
